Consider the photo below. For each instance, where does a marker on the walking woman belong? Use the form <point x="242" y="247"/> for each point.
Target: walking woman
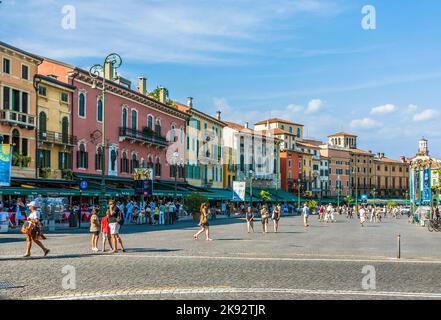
<point x="276" y="217"/>
<point x="94" y="229"/>
<point x="115" y="221"/>
<point x="34" y="231"/>
<point x="203" y="223"/>
<point x="264" y="214"/>
<point x="249" y="217"/>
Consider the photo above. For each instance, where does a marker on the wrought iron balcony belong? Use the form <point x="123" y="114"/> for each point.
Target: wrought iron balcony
<point x="17" y="118"/>
<point x="143" y="137"/>
<point x="56" y="138"/>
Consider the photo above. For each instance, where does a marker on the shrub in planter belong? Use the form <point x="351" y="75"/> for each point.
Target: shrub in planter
<point x="67" y="174"/>
<point x="148" y="131"/>
<point x="193" y="203"/>
<point x="45" y="172"/>
<point x="26" y="161"/>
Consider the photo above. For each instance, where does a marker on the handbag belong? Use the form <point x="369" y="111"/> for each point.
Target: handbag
<point x="27" y="228"/>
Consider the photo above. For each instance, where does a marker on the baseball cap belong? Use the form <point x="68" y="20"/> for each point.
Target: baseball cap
<point x="32" y="204"/>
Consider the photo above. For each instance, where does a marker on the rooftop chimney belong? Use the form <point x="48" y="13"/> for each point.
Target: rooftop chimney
<point x="246" y="125"/>
<point x="142" y="85"/>
<point x="403" y="159"/>
<point x="218" y="115"/>
<point x="162" y="95"/>
<point x="190" y="102"/>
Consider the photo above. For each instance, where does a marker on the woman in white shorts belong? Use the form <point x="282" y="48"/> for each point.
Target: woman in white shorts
<point x="115" y="215"/>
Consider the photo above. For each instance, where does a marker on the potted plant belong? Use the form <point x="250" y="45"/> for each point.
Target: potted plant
<point x="16" y="159"/>
<point x="67" y="174"/>
<point x="45" y="172"/>
<point x="25" y="161"/>
<point x="148" y="131"/>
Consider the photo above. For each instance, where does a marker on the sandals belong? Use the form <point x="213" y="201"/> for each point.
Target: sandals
<point x="46" y="252"/>
<point x="195" y="238"/>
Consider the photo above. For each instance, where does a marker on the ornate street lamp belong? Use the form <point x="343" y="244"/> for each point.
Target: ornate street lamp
<point x="112" y="61"/>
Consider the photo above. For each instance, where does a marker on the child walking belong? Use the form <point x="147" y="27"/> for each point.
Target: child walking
<point x="94" y="229"/>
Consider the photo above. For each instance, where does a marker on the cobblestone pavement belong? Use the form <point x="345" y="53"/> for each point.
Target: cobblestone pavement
<point x="324" y="261"/>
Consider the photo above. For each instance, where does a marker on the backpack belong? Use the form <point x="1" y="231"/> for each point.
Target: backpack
<point x="120" y="219"/>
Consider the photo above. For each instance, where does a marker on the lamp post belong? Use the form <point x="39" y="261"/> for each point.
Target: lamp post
<point x="298" y="192"/>
<point x="251" y="188"/>
<point x="175" y="160"/>
<point x="112" y="61"/>
<point x="338" y="190"/>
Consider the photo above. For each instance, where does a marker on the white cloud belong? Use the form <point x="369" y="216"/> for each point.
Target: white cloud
<point x="425" y="115"/>
<point x="387" y="108"/>
<point x="412" y="108"/>
<point x="366" y="123"/>
<point x="314" y="106"/>
<point x="295" y="108"/>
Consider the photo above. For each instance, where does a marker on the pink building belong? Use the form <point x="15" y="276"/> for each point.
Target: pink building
<point x="339" y="169"/>
<point x="139" y="128"/>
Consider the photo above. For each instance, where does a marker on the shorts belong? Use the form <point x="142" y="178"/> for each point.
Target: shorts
<point x="276" y="219"/>
<point x="95" y="233"/>
<point x="204" y="225"/>
<point x="264" y="220"/>
<point x="114" y="228"/>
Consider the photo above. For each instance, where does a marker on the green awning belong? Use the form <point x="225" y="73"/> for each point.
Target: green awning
<point x="39" y="191"/>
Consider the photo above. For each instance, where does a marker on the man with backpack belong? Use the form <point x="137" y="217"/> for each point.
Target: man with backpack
<point x="116" y="220"/>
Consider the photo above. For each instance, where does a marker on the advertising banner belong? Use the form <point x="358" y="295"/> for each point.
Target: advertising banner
<point x="5" y="165"/>
<point x="239" y="191"/>
<point x="427" y="190"/>
<point x="143" y="181"/>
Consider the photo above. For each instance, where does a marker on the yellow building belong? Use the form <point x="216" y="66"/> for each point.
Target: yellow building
<point x="17" y="107"/>
<point x="203" y="148"/>
<point x="54" y="128"/>
<point x="391" y="177"/>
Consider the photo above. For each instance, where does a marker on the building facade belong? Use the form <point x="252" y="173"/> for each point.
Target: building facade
<point x="54" y="128"/>
<point x="18" y="107"/>
<point x="203" y="148"/>
<point x="141" y="131"/>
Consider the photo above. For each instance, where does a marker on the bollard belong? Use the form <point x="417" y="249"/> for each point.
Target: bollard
<point x="399" y="247"/>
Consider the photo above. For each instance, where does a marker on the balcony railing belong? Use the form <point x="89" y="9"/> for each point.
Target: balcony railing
<point x="17" y="118"/>
<point x="56" y="138"/>
<point x="142" y="136"/>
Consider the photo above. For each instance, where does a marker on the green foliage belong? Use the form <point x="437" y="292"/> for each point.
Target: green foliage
<point x="349" y="200"/>
<point x="67" y="174"/>
<point x="193" y="202"/>
<point x="19" y="160"/>
<point x="312" y="205"/>
<point x="148" y="131"/>
<point x="392" y="204"/>
<point x="45" y="173"/>
<point x="265" y="196"/>
<point x="155" y="94"/>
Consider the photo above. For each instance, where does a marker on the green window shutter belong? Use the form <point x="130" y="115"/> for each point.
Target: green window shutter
<point x="60" y="160"/>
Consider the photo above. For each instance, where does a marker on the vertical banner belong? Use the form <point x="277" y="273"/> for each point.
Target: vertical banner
<point x="239" y="191"/>
<point x="5" y="165"/>
<point x="143" y="182"/>
<point x="427" y="190"/>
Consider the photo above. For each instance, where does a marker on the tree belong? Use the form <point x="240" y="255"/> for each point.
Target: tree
<point x="349" y="200"/>
<point x="265" y="196"/>
<point x="193" y="203"/>
<point x="312" y="205"/>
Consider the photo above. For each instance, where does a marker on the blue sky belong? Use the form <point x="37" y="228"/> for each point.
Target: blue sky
<point x="308" y="61"/>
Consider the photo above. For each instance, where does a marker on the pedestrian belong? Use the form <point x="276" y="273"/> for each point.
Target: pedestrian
<point x="156" y="215"/>
<point x="20" y="212"/>
<point x="33" y="230"/>
<point x="276" y="217"/>
<point x="362" y="216"/>
<point x="306" y="212"/>
<point x="372" y="213"/>
<point x="249" y="217"/>
<point x="129" y="212"/>
<point x="105" y="233"/>
<point x="203" y="223"/>
<point x="264" y="214"/>
<point x="332" y="215"/>
<point x="94" y="229"/>
<point x="116" y="219"/>
<point x="321" y="213"/>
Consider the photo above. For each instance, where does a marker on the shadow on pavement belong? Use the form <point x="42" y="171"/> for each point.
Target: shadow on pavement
<point x="139" y="250"/>
<point x="11" y="240"/>
<point x="49" y="257"/>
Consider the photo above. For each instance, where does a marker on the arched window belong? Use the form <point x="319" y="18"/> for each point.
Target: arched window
<point x="150" y="122"/>
<point x="82" y="157"/>
<point x="15" y="141"/>
<point x="158" y="127"/>
<point x="65" y="130"/>
<point x="298" y="132"/>
<point x="42" y="125"/>
<point x="124" y="118"/>
<point x="99" y="159"/>
<point x="142" y="163"/>
<point x="150" y="162"/>
<point x="99" y="110"/>
<point x="158" y="167"/>
<point x="124" y="163"/>
<point x="134" y="164"/>
<point x="172" y="133"/>
<point x="82" y="105"/>
<point x="134" y="120"/>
